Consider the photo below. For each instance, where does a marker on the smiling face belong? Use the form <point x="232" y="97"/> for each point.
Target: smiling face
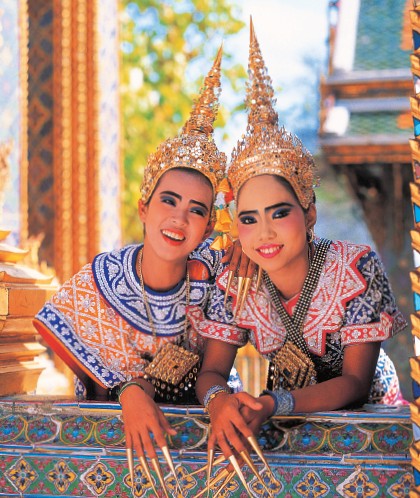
<point x="177" y="217"/>
<point x="272" y="226"/>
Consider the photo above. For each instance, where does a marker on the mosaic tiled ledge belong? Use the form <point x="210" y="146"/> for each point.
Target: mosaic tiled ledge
<point x="65" y="448"/>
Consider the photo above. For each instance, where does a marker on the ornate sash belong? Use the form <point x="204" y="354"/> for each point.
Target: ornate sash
<point x="292" y="367"/>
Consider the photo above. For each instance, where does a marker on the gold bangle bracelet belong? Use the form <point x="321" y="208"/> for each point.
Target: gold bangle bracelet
<point x="128" y="384"/>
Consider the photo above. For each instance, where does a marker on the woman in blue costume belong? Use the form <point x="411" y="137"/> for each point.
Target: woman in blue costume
<point x="321" y="309"/>
<point x="114" y="320"/>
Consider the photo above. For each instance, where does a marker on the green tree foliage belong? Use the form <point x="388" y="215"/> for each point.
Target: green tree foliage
<point x="167" y="48"/>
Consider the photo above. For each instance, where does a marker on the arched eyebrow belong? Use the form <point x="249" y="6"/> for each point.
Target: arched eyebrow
<point x="169" y="192"/>
<point x="268" y="208"/>
<point x="179" y="197"/>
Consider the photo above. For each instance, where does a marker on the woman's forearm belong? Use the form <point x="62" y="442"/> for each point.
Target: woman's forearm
<point x="332" y="394"/>
<point x="206" y="380"/>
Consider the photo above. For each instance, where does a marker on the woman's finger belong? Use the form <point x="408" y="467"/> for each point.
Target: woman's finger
<point x="165" y="425"/>
<point x="243" y="264"/>
<point x="246" y="400"/>
<point x="228" y="254"/>
<point x="236" y="256"/>
<point x="137" y="445"/>
<point x="224" y="444"/>
<point x="252" y="268"/>
<point x="147" y="444"/>
<point x="235" y="441"/>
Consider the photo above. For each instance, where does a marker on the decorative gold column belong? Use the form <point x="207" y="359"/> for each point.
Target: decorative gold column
<point x="75" y="135"/>
<point x="415" y="237"/>
<point x="66" y="200"/>
<point x="23" y="291"/>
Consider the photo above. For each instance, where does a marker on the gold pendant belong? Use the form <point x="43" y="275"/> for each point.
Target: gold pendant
<point x="172" y="371"/>
<point x="292" y="368"/>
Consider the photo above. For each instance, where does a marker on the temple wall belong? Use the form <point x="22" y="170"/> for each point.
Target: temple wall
<point x="64" y="448"/>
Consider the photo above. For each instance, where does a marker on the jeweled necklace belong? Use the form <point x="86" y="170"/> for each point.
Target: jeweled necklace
<point x="294" y="324"/>
<point x="146" y="300"/>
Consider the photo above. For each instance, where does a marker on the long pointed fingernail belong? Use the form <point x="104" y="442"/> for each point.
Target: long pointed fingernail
<point x="225" y="483"/>
<point x="244" y="294"/>
<point x="159" y="473"/>
<point x="218" y="461"/>
<point x="171" y="465"/>
<point x="247" y="459"/>
<point x="253" y="442"/>
<point x="238" y="295"/>
<point x="259" y="276"/>
<point x="238" y="470"/>
<point x="146" y="468"/>
<point x="210" y="457"/>
<point x="229" y="283"/>
<point x="130" y="461"/>
<point x="221" y="475"/>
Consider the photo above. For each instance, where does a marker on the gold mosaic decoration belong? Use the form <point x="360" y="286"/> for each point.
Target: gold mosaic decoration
<point x="267" y="149"/>
<point x="194" y="147"/>
<point x="292" y="368"/>
<point x="173" y="371"/>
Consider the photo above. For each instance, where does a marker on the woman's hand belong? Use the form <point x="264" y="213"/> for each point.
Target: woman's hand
<point x="229" y="428"/>
<point x="255" y="418"/>
<point x="239" y="263"/>
<point x="244" y="268"/>
<point x="142" y="417"/>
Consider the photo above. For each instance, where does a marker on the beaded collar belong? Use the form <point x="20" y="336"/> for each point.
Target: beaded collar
<point x="118" y="283"/>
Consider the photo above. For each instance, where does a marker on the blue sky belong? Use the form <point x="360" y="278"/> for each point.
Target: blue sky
<point x="287" y="30"/>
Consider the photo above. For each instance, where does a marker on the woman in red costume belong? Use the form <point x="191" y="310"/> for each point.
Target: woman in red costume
<point x="321" y="309"/>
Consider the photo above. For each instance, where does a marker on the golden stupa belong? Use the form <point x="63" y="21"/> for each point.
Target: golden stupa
<point x="23" y="291"/>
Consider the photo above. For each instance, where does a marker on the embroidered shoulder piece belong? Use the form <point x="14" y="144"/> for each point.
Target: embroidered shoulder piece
<point x="373" y="315"/>
<point x="340" y="282"/>
<point x="204" y="256"/>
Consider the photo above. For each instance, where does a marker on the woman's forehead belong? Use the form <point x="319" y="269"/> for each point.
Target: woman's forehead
<point x="265" y="187"/>
<point x="185" y="181"/>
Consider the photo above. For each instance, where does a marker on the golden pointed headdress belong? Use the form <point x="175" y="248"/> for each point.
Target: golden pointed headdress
<point x="267" y="149"/>
<point x="195" y="147"/>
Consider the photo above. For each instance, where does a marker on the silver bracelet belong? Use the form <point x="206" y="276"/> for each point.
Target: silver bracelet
<point x="284" y="402"/>
<point x="213" y="392"/>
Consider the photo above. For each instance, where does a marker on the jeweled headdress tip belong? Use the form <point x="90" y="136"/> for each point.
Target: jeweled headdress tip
<point x="267" y="148"/>
<point x="251" y="30"/>
<point x="194" y="148"/>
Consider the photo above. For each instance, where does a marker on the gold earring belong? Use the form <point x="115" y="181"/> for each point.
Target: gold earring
<point x="310" y="235"/>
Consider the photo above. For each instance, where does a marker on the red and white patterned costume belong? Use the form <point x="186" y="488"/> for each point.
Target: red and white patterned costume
<point x="352" y="304"/>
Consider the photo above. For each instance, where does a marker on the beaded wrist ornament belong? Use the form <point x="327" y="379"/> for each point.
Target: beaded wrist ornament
<point x="212" y="393"/>
<point x="284" y="402"/>
<point x="128" y="384"/>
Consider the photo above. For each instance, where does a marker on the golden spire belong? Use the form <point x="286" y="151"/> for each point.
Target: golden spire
<point x="194" y="148"/>
<point x="260" y="94"/>
<point x="266" y="149"/>
<point x="204" y="111"/>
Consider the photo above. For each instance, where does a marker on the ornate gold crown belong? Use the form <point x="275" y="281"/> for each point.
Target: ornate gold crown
<point x="194" y="147"/>
<point x="266" y="149"/>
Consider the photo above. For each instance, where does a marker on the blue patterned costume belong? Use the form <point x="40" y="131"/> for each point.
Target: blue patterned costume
<point x="97" y="321"/>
